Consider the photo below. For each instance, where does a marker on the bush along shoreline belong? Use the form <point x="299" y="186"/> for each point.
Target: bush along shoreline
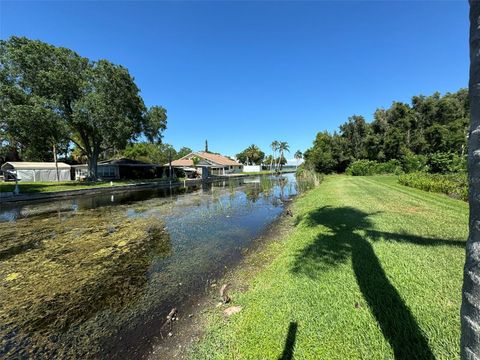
<point x="454" y="185"/>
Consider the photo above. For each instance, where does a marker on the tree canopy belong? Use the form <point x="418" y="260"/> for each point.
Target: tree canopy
<point x="69" y="99"/>
<point x="155" y="153"/>
<point x="183" y="152"/>
<point x="252" y="155"/>
<point x="427" y="126"/>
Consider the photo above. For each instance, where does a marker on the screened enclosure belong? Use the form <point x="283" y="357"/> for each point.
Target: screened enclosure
<point x="38" y="171"/>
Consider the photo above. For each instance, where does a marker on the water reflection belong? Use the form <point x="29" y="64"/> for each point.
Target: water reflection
<point x="96" y="274"/>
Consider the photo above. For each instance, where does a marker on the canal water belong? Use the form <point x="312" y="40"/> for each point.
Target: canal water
<point x="95" y="276"/>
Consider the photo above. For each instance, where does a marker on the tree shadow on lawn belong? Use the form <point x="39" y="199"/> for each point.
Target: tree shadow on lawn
<point x="392" y="314"/>
<point x="289" y="342"/>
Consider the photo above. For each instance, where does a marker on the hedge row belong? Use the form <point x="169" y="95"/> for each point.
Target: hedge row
<point x="454" y="185"/>
<point x="369" y="167"/>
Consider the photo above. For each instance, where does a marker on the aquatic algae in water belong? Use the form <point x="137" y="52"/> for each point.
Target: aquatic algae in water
<point x="58" y="272"/>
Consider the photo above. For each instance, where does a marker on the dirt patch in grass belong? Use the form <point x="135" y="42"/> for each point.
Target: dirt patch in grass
<point x="408" y="209"/>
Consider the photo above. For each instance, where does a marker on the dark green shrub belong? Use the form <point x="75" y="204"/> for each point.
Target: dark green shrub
<point x="361" y="168"/>
<point x="179" y="173"/>
<point x="370" y="167"/>
<point x="444" y="163"/>
<point x="413" y="163"/>
<point x="454" y="184"/>
<point x="389" y="167"/>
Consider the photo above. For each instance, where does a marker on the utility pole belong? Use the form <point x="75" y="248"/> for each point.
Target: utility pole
<point x="170" y="163"/>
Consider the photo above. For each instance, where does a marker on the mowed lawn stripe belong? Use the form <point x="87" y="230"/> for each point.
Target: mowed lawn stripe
<point x="371" y="270"/>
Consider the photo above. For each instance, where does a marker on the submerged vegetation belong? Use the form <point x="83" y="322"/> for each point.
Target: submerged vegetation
<point x="83" y="276"/>
<point x="57" y="273"/>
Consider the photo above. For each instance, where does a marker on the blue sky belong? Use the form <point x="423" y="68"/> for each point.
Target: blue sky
<point x="238" y="73"/>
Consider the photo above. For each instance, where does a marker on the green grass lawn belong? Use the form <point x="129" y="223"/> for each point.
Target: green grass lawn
<point x="371" y="270"/>
<point x="52" y="186"/>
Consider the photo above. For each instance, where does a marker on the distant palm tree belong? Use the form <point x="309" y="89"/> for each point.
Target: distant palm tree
<point x="254" y="154"/>
<point x="274" y="145"/>
<point x="282" y="147"/>
<point x="195" y="161"/>
<point x="298" y="156"/>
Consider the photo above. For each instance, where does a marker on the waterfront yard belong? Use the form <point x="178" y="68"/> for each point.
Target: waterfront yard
<point x="370" y="270"/>
<point x="30" y="187"/>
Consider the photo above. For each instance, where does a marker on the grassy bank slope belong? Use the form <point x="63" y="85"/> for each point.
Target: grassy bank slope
<point x="371" y="270"/>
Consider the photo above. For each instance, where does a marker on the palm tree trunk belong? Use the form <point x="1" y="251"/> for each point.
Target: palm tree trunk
<point x="274" y="160"/>
<point x="470" y="310"/>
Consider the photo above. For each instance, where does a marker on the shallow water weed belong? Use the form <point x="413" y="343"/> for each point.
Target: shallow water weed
<point x="68" y="270"/>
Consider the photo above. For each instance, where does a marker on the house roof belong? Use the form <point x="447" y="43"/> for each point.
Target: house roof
<point x="214" y="159"/>
<point x="218" y="159"/>
<point x="182" y="162"/>
<point x="24" y="165"/>
<point x="119" y="162"/>
<point x="125" y="161"/>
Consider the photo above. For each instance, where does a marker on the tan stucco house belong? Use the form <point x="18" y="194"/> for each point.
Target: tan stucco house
<point x="217" y="164"/>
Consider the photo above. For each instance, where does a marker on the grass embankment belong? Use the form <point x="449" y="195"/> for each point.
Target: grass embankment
<point x="371" y="270"/>
<point x="53" y="186"/>
<point x="453" y="185"/>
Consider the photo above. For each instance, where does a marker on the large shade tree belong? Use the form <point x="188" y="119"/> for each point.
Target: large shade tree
<point x="470" y="311"/>
<point x="183" y="152"/>
<point x="39" y="131"/>
<point x="150" y="152"/>
<point x="96" y="103"/>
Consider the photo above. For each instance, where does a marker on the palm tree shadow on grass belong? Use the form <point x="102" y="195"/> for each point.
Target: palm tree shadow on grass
<point x="289" y="342"/>
<point x="343" y="242"/>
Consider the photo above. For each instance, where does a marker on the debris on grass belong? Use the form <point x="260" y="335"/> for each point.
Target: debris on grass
<point x="232" y="310"/>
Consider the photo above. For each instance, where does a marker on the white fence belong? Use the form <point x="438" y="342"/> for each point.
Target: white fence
<point x="252" y="168"/>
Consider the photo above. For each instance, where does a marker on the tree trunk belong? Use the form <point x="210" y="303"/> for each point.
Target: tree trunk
<point x="56" y="161"/>
<point x="92" y="160"/>
<point x="470" y="311"/>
